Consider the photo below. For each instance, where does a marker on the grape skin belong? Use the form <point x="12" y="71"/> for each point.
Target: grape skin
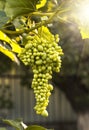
<point x="43" y="54"/>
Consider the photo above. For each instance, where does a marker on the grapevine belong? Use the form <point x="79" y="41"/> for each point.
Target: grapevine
<point x="43" y="54"/>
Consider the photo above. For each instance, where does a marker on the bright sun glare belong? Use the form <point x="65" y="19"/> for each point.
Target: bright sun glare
<point x="80" y="14"/>
<point x="83" y="11"/>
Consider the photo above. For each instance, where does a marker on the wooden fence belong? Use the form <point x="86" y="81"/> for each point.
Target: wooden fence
<point x="23" y="99"/>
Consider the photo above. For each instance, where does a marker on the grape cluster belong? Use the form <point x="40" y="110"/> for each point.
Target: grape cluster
<point x="43" y="54"/>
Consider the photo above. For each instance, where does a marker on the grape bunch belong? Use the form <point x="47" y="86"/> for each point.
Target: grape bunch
<point x="43" y="54"/>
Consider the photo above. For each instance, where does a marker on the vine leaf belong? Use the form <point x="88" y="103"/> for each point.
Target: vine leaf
<point x="16" y="124"/>
<point x="15" y="47"/>
<point x="84" y="30"/>
<point x="36" y="127"/>
<point x="3" y="19"/>
<point x="8" y="53"/>
<point x="41" y="4"/>
<point x="8" y="47"/>
<point x="15" y="8"/>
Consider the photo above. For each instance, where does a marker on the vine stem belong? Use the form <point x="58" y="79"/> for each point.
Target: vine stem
<point x="43" y="23"/>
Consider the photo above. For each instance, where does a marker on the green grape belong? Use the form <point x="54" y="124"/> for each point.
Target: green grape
<point x="44" y="113"/>
<point x="43" y="54"/>
<point x="40" y="48"/>
<point x="28" y="46"/>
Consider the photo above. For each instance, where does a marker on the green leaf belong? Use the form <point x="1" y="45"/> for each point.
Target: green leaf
<point x="15" y="124"/>
<point x="8" y="53"/>
<point x="41" y="4"/>
<point x="15" y="8"/>
<point x="15" y="47"/>
<point x="2" y="128"/>
<point x="36" y="127"/>
<point x="84" y="30"/>
<point x="3" y="18"/>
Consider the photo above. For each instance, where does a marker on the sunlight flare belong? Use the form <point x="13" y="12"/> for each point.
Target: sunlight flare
<point x="83" y="11"/>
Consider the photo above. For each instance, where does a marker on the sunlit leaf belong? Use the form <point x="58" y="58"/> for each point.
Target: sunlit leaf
<point x="15" y="47"/>
<point x="23" y="125"/>
<point x="10" y="54"/>
<point x="36" y="127"/>
<point x="3" y="18"/>
<point x="15" y="124"/>
<point x="15" y="8"/>
<point x="41" y="4"/>
<point x="84" y="30"/>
